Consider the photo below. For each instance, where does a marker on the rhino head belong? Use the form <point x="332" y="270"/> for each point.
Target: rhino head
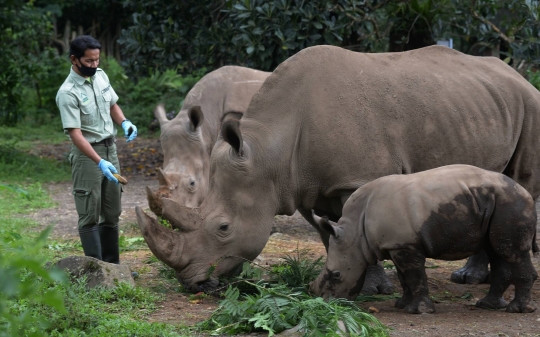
<point x="344" y="272"/>
<point x="186" y="164"/>
<point x="232" y="224"/>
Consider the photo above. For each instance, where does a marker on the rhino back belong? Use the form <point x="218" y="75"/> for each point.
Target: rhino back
<point x="345" y="118"/>
<point x="432" y="210"/>
<point x="229" y="88"/>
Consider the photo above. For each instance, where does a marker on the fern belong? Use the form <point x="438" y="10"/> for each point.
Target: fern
<point x="276" y="309"/>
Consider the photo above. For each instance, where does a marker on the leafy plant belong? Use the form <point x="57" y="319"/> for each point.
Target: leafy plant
<point x="276" y="308"/>
<point x="534" y="78"/>
<point x="297" y="270"/>
<point x="26" y="280"/>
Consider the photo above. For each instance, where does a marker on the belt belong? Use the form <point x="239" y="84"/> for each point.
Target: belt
<point x="105" y="142"/>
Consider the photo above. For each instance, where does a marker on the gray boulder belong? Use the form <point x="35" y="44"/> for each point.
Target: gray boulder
<point x="98" y="273"/>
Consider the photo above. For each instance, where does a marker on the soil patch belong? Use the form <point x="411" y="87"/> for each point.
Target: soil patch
<point x="455" y="312"/>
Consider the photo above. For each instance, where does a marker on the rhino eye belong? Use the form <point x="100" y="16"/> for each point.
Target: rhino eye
<point x="224" y="227"/>
<point x="336" y="274"/>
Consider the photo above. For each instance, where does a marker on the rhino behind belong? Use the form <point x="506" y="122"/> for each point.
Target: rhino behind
<point x="187" y="139"/>
<point x="447" y="213"/>
<point x="329" y="120"/>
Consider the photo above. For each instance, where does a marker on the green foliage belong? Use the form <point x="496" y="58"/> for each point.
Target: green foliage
<point x="138" y="100"/>
<point x="26" y="282"/>
<point x="297" y="270"/>
<point x="276" y="308"/>
<point x="534" y="78"/>
<point x="254" y="33"/>
<point x="24" y="31"/>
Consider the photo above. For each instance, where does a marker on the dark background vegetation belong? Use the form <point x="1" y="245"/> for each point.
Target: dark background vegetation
<point x="155" y="50"/>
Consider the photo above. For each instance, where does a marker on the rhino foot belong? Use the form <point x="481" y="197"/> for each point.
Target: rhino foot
<point x="421" y="306"/>
<point x="475" y="270"/>
<point x="491" y="303"/>
<point x="402" y="302"/>
<point x="377" y="282"/>
<point x="516" y="306"/>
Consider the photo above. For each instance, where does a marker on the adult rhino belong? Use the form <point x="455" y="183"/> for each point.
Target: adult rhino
<point x="329" y="120"/>
<point x="187" y="140"/>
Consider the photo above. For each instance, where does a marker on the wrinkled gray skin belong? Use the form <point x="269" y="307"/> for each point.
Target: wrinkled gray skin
<point x="328" y="121"/>
<point x="187" y="140"/>
<point x="447" y="213"/>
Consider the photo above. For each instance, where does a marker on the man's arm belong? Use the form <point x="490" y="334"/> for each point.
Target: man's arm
<point x="83" y="145"/>
<point x="117" y="115"/>
<point x="130" y="130"/>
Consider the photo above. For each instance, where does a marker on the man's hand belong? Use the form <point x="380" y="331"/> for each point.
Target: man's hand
<point x="130" y="130"/>
<point x="108" y="169"/>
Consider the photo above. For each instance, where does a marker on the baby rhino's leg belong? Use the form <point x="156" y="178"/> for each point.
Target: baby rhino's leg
<point x="412" y="275"/>
<point x="523" y="277"/>
<point x="500" y="280"/>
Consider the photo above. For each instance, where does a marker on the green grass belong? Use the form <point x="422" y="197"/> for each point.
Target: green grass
<point x="38" y="301"/>
<point x="18" y="166"/>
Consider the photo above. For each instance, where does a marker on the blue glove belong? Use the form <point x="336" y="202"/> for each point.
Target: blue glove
<point x="108" y="169"/>
<point x="130" y="130"/>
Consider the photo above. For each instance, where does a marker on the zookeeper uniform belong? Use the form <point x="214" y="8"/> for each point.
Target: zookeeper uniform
<point x="85" y="104"/>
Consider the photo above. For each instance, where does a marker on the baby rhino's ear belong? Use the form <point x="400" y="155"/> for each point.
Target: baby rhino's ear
<point x="327" y="225"/>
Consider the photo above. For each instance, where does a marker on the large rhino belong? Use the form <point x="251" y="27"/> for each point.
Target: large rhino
<point x="410" y="217"/>
<point x="329" y="120"/>
<point x="187" y="140"/>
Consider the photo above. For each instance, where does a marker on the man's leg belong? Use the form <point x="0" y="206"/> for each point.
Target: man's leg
<point x="86" y="178"/>
<point x="111" y="208"/>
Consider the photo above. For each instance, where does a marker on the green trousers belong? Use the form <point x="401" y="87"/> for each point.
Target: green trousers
<point x="98" y="200"/>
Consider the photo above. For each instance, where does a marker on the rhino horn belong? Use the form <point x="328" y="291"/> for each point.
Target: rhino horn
<point x="166" y="244"/>
<point x="154" y="202"/>
<point x="163" y="179"/>
<point x="161" y="116"/>
<point x="183" y="218"/>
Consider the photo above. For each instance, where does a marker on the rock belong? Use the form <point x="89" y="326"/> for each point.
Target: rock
<point x="98" y="273"/>
<point x="373" y="309"/>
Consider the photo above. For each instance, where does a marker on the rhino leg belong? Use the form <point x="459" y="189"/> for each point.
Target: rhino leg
<point x="410" y="264"/>
<point x="475" y="270"/>
<point x="523" y="277"/>
<point x="407" y="293"/>
<point x="377" y="282"/>
<point x="501" y="277"/>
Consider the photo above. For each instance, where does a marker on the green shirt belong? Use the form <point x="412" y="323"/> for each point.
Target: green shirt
<point x="85" y="103"/>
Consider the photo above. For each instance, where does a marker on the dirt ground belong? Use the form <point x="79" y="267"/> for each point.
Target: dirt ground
<point x="455" y="313"/>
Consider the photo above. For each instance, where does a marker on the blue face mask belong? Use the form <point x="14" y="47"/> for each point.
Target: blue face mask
<point x="86" y="71"/>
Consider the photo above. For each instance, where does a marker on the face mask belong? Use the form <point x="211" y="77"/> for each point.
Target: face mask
<point x="86" y="71"/>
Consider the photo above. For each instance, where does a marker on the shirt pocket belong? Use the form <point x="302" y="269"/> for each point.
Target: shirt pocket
<point x="88" y="113"/>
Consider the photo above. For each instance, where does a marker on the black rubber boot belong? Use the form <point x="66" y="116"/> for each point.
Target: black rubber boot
<point x="109" y="244"/>
<point x="90" y="241"/>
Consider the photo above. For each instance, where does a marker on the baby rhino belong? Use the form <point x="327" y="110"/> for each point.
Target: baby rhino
<point x="447" y="213"/>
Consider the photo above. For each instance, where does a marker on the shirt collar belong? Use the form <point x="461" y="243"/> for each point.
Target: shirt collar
<point x="76" y="77"/>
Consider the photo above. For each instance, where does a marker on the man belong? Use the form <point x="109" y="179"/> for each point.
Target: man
<point x="88" y="109"/>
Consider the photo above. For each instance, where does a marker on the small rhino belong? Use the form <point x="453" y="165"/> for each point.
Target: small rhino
<point x="446" y="213"/>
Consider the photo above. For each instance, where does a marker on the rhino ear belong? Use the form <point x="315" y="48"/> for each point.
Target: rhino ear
<point x="230" y="131"/>
<point x="231" y="115"/>
<point x="161" y="116"/>
<point x="196" y="117"/>
<point x="327" y="226"/>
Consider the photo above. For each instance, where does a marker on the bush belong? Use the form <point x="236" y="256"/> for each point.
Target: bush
<point x="138" y="100"/>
